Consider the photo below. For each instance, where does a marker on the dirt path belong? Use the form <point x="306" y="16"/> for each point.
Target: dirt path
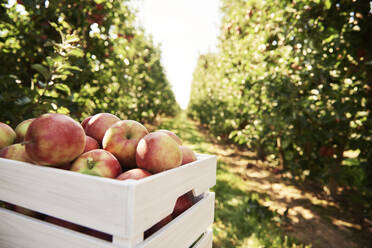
<point x="246" y="185"/>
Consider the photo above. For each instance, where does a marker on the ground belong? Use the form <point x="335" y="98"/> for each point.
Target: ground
<point x="258" y="207"/>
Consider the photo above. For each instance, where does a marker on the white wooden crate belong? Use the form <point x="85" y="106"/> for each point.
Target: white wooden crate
<point x="124" y="209"/>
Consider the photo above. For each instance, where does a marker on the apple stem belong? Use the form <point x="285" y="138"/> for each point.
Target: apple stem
<point x="90" y="163"/>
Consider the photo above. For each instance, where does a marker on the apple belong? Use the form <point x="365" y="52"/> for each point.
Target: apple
<point x="98" y="124"/>
<point x="182" y="204"/>
<point x="188" y="155"/>
<point x="15" y="152"/>
<point x="63" y="223"/>
<point x="26" y="211"/>
<point x="158" y="152"/>
<point x="135" y="174"/>
<point x="21" y="129"/>
<point x="172" y="135"/>
<point x="97" y="162"/>
<point x="7" y="135"/>
<point x="90" y="144"/>
<point x="158" y="226"/>
<point x="54" y="139"/>
<point x="84" y="123"/>
<point x="97" y="234"/>
<point x="122" y="138"/>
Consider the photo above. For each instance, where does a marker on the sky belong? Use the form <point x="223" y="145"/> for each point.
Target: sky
<point x="184" y="29"/>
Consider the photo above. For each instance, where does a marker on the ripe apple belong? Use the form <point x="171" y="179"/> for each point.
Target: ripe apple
<point x="158" y="152"/>
<point x="21" y="129"/>
<point x="158" y="226"/>
<point x="90" y="144"/>
<point x="98" y="124"/>
<point x="15" y="152"/>
<point x="7" y="135"/>
<point x="135" y="174"/>
<point x="122" y="138"/>
<point x="172" y="135"/>
<point x="54" y="139"/>
<point x="97" y="162"/>
<point x="188" y="155"/>
<point x="26" y="211"/>
<point x="63" y="223"/>
<point x="182" y="204"/>
<point x="97" y="234"/>
<point x="84" y="123"/>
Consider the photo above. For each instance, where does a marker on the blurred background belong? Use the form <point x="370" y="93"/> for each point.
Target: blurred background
<point x="280" y="90"/>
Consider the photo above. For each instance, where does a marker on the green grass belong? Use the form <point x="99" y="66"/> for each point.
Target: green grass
<point x="240" y="219"/>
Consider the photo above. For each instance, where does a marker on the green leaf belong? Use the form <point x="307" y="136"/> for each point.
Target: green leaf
<point x="76" y="52"/>
<point x="42" y="70"/>
<point x="327" y="4"/>
<point x="63" y="87"/>
<point x="70" y="67"/>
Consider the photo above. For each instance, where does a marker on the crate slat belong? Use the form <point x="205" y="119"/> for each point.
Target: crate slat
<point x="20" y="231"/>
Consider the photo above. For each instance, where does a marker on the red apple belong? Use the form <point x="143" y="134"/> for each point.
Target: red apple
<point x="135" y="174"/>
<point x="63" y="223"/>
<point x="26" y="211"/>
<point x="182" y="204"/>
<point x="54" y="139"/>
<point x="15" y="152"/>
<point x="98" y="234"/>
<point x="84" y="123"/>
<point x="98" y="124"/>
<point x="90" y="144"/>
<point x="21" y="129"/>
<point x="188" y="155"/>
<point x="7" y="135"/>
<point x="158" y="152"/>
<point x="122" y="138"/>
<point x="97" y="162"/>
<point x="158" y="226"/>
<point x="172" y="135"/>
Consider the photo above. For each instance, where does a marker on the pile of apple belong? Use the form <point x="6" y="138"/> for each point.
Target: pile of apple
<point x="102" y="145"/>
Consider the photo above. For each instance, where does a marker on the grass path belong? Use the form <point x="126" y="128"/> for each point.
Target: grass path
<point x="257" y="208"/>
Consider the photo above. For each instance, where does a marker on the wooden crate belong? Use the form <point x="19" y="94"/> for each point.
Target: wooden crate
<point x="124" y="209"/>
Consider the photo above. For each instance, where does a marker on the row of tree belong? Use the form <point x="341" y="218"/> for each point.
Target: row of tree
<point x="78" y="58"/>
<point x="293" y="79"/>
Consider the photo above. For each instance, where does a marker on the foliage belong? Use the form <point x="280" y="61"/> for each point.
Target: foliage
<point x="292" y="79"/>
<point x="78" y="58"/>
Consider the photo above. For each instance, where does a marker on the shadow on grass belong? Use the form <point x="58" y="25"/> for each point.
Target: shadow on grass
<point x="240" y="219"/>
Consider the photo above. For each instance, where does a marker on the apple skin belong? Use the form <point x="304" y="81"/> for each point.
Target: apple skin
<point x="122" y="138"/>
<point x="172" y="135"/>
<point x="90" y="144"/>
<point x="157" y="152"/>
<point x="21" y="129"/>
<point x="15" y="152"/>
<point x="98" y="124"/>
<point x="63" y="223"/>
<point x="135" y="174"/>
<point x="97" y="162"/>
<point x="182" y="204"/>
<point x="54" y="139"/>
<point x="84" y="123"/>
<point x="158" y="226"/>
<point x="188" y="155"/>
<point x="7" y="135"/>
<point x="27" y="211"/>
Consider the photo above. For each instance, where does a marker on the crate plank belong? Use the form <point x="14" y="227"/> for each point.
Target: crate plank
<point x="159" y="193"/>
<point x="205" y="241"/>
<point x="19" y="231"/>
<point x="186" y="228"/>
